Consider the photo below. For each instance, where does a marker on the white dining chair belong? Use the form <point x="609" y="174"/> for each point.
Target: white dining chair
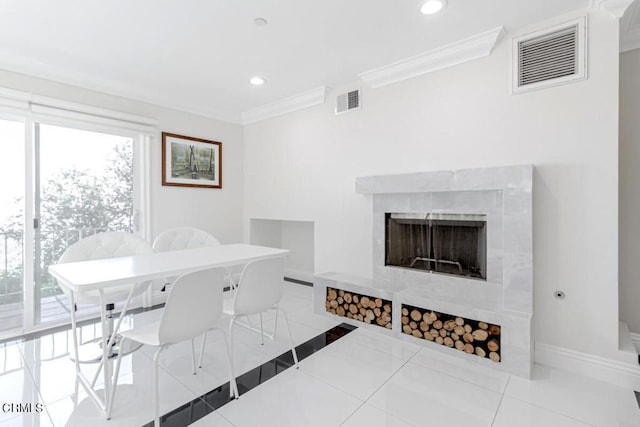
<point x="187" y="237"/>
<point x="179" y="238"/>
<point x="193" y="307"/>
<point x="106" y="245"/>
<point x="259" y="290"/>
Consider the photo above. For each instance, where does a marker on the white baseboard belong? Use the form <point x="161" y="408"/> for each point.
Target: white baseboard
<point x="305" y="276"/>
<point x="609" y="370"/>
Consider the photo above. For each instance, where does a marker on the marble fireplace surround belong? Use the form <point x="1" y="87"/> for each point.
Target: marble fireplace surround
<point x="504" y="195"/>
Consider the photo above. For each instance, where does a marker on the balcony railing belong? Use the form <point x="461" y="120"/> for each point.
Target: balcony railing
<point x="11" y="281"/>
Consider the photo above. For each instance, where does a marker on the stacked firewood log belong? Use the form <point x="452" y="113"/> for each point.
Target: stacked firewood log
<point x="470" y="336"/>
<point x="367" y="309"/>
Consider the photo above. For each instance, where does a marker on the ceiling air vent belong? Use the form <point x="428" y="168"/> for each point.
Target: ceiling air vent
<point x="348" y="101"/>
<point x="550" y="57"/>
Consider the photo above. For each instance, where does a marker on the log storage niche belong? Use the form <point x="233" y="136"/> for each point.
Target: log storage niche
<point x="364" y="308"/>
<point x="470" y="336"/>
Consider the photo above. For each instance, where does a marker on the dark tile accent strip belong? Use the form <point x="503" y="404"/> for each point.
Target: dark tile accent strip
<point x="201" y="406"/>
<point x="637" y="397"/>
<point x="299" y="282"/>
<point x="65" y="327"/>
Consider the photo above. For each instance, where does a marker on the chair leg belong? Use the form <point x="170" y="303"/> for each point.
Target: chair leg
<point x="97" y="374"/>
<point x="275" y="324"/>
<point x="232" y="285"/>
<point x="156" y="391"/>
<point x="293" y="348"/>
<point x="232" y="390"/>
<point x="261" y="331"/>
<point x="204" y="341"/>
<point x="193" y="356"/>
<point x="232" y="378"/>
<point x="115" y="379"/>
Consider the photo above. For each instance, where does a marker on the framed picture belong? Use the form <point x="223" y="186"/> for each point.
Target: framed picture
<point x="191" y="162"/>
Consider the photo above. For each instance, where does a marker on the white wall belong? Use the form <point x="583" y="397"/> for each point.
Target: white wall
<point x="296" y="236"/>
<point x="630" y="188"/>
<point x="265" y="232"/>
<point x="214" y="210"/>
<point x="303" y="166"/>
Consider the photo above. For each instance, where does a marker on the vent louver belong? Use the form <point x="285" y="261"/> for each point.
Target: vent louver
<point x="348" y="101"/>
<point x="551" y="57"/>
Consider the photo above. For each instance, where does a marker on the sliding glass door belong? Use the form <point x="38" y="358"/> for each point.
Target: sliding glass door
<point x="60" y="183"/>
<point x="12" y="188"/>
<point x="83" y="186"/>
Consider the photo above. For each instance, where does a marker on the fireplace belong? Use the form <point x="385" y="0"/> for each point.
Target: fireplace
<point x="445" y="243"/>
<point x="452" y="265"/>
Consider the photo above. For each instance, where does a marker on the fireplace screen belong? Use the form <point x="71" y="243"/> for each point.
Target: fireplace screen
<point x="436" y="242"/>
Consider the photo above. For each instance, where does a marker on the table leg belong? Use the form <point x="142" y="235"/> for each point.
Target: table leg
<point x="106" y="364"/>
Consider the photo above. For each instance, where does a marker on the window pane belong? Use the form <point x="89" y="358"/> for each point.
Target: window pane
<point x="85" y="187"/>
<point x="11" y="224"/>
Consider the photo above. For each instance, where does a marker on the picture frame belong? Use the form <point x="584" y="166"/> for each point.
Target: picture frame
<point x="191" y="162"/>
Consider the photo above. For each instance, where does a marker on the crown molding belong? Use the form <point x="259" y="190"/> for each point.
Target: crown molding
<point x="465" y="50"/>
<point x="616" y="8"/>
<point x="287" y="105"/>
<point x="630" y="28"/>
<point x="37" y="69"/>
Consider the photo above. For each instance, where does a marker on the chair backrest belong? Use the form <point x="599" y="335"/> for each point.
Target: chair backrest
<point x="260" y="286"/>
<point x="183" y="238"/>
<point x="194" y="306"/>
<point x="110" y="244"/>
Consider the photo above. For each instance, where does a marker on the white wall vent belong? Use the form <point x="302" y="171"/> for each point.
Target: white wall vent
<point x="550" y="57"/>
<point x="348" y="101"/>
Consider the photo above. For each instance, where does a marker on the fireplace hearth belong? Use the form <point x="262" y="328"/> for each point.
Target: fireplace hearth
<point x="454" y="248"/>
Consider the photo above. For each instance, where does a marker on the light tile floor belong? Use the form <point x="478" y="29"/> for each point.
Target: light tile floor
<point x="363" y="379"/>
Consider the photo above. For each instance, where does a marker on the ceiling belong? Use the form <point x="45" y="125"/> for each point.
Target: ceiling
<point x="198" y="55"/>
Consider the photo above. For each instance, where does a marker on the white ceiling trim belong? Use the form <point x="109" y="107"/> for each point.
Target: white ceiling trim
<point x="287" y="105"/>
<point x="465" y="50"/>
<point x="630" y="28"/>
<point x="616" y="8"/>
<point x="41" y="70"/>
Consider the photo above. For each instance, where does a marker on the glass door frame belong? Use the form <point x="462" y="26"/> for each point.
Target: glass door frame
<point x="142" y="199"/>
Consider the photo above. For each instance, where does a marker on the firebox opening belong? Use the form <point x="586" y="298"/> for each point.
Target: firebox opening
<point x="445" y="243"/>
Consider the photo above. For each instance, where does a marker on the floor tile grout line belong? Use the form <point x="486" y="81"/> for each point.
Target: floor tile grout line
<point x="305" y="373"/>
<point x="495" y="415"/>
<point x="309" y="374"/>
<point x="35" y="385"/>
<point x="30" y="370"/>
<point x="366" y="401"/>
<point x="386" y="352"/>
<point x="553" y="411"/>
<point x="345" y="327"/>
<point x="461" y="379"/>
<point x="224" y="418"/>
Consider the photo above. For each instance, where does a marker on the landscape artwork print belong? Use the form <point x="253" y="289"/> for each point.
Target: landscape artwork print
<point x="191" y="162"/>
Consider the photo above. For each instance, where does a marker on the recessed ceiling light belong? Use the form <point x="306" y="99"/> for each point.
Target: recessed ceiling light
<point x="433" y="6"/>
<point x="260" y="22"/>
<point x="256" y="81"/>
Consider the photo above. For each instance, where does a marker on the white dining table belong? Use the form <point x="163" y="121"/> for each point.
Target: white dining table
<point x="101" y="274"/>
